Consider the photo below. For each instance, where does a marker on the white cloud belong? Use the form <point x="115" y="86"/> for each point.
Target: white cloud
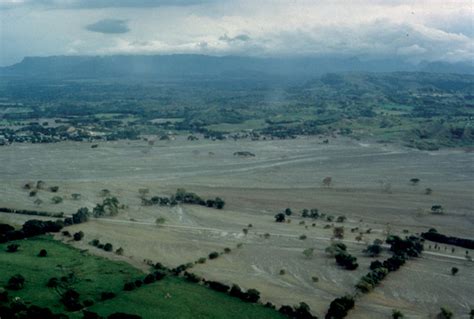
<point x="412" y="30"/>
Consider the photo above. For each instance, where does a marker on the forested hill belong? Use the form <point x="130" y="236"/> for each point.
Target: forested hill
<point x="198" y="66"/>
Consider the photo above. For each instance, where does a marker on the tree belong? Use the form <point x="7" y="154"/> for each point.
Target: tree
<point x="78" y="236"/>
<point x="414" y="181"/>
<point x="346" y="260"/>
<point x="16" y="282"/>
<point x="219" y="203"/>
<point x="335" y="248"/>
<point x="43" y="253"/>
<point x="428" y="191"/>
<point x="280" y="218"/>
<point x="339" y="307"/>
<point x="397" y="314"/>
<point x="437" y="209"/>
<point x="327" y="181"/>
<point x="119" y="251"/>
<point x="445" y="313"/>
<point x="252" y="295"/>
<point x="454" y="271"/>
<point x="338" y="232"/>
<point x="81" y="216"/>
<point x="288" y="212"/>
<point x="373" y="250"/>
<point x="76" y="196"/>
<point x="108" y="247"/>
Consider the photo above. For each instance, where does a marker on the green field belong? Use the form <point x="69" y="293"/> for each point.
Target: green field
<point x="175" y="298"/>
<point x="170" y="298"/>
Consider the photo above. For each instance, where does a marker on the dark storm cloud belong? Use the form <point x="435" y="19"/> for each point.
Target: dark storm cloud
<point x="109" y="26"/>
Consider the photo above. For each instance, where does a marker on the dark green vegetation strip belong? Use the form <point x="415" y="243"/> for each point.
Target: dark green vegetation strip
<point x="169" y="298"/>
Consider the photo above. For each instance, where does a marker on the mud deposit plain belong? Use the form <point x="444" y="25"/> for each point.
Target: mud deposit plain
<point x="284" y="173"/>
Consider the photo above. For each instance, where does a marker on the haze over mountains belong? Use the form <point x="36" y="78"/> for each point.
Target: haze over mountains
<point x="193" y="65"/>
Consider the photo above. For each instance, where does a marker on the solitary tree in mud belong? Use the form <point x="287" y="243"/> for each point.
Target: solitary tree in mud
<point x="327" y="181"/>
<point x="280" y="218"/>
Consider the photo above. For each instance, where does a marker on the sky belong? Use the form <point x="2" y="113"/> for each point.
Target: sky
<point x="409" y="30"/>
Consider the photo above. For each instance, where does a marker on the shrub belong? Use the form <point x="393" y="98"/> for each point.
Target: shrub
<point x="3" y="295"/>
<point x="454" y="271"/>
<point x="227" y="250"/>
<point x="95" y="242"/>
<point x="201" y="260"/>
<point x="107" y="295"/>
<point x="43" y="253"/>
<point x="150" y="278"/>
<point x="303" y="237"/>
<point x="192" y="277"/>
<point x="308" y="252"/>
<point x="12" y="248"/>
<point x="159" y="275"/>
<point x="52" y="282"/>
<point x="57" y="200"/>
<point x="341" y="219"/>
<point x="213" y="255"/>
<point x="129" y="286"/>
<point x="121" y="315"/>
<point x="108" y="247"/>
<point x="54" y="189"/>
<point x="119" y="251"/>
<point x="16" y="282"/>
<point x="217" y="286"/>
<point x="397" y="314"/>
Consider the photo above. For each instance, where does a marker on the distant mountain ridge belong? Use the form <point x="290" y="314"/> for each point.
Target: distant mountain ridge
<point x="191" y="65"/>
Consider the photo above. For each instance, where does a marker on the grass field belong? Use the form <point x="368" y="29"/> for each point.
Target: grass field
<point x="174" y="298"/>
<point x="169" y="298"/>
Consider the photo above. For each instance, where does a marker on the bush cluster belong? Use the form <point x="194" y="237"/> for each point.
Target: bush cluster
<point x="183" y="197"/>
<point x="433" y="235"/>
